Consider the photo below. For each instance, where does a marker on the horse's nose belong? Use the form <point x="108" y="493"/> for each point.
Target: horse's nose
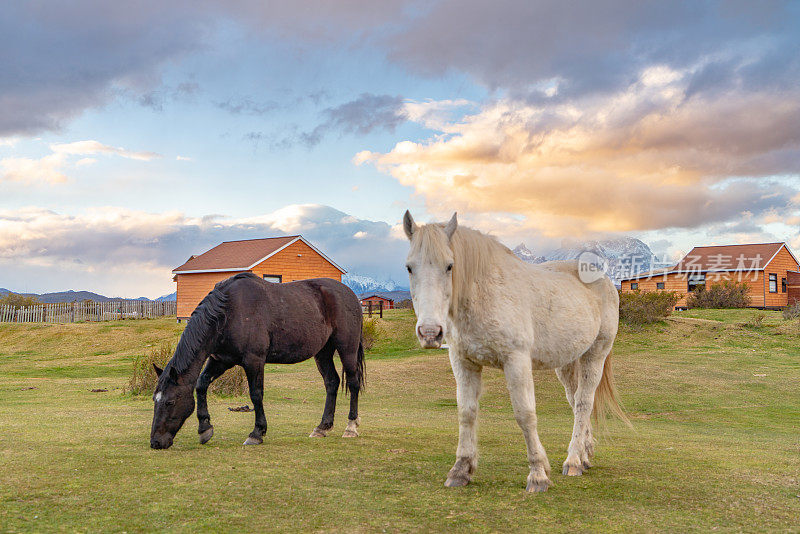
<point x="430" y="335"/>
<point x="429" y="331"/>
<point x="154" y="444"/>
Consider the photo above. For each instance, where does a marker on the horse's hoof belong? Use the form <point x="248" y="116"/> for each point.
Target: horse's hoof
<point x="350" y="433"/>
<point x="205" y="437"/>
<point x="587" y="465"/>
<point x="317" y="433"/>
<point x="253" y="441"/>
<point x="573" y="470"/>
<point x="456" y="482"/>
<point x="538" y="486"/>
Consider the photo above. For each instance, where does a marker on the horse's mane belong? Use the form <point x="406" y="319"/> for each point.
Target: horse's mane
<point x="475" y="254"/>
<point x="203" y="324"/>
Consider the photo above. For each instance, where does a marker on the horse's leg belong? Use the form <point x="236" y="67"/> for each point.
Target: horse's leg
<point x="581" y="447"/>
<point x="254" y="369"/>
<point x="468" y="390"/>
<point x="330" y="377"/>
<point x="569" y="379"/>
<point x="519" y="379"/>
<point x="352" y="375"/>
<point x="213" y="370"/>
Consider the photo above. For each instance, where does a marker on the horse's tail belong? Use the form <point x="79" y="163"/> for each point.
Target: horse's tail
<point x="606" y="400"/>
<point x="360" y="370"/>
<point x="203" y="326"/>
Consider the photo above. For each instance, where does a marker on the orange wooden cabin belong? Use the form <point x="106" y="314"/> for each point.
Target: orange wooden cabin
<point x="388" y="304"/>
<point x="275" y="259"/>
<point x="770" y="270"/>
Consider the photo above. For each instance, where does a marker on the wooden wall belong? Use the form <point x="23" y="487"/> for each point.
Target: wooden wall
<point x="292" y="267"/>
<point x="783" y="262"/>
<point x="192" y="288"/>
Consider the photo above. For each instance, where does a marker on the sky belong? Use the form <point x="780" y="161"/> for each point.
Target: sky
<point x="133" y="135"/>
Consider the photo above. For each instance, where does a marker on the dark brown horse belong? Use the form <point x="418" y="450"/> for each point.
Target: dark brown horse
<point x="249" y="322"/>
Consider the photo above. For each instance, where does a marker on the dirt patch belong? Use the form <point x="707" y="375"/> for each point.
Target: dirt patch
<point x="98" y="390"/>
<point x="244" y="408"/>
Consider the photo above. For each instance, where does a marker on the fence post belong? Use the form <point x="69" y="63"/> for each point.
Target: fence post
<point x="380" y="308"/>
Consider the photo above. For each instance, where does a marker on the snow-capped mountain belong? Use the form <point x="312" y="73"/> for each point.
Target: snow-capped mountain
<point x="362" y="284"/>
<point x="525" y="254"/>
<point x="626" y="255"/>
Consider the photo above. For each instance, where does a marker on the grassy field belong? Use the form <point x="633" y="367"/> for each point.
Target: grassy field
<point x="714" y="397"/>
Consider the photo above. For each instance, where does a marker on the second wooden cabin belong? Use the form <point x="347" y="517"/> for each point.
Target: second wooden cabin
<point x="770" y="270"/>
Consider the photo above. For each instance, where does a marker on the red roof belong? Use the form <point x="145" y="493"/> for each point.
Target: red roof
<point x="745" y="258"/>
<point x="751" y="257"/>
<point x="242" y="255"/>
<point x="377" y="297"/>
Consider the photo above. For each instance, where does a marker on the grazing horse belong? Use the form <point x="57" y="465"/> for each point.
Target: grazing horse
<point x="495" y="310"/>
<point x="247" y="321"/>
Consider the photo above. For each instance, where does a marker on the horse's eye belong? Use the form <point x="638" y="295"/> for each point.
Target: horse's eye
<point x="170" y="403"/>
<point x="449" y="267"/>
<point x="409" y="269"/>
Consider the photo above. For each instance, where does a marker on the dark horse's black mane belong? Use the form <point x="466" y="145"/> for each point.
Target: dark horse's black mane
<point x="205" y="319"/>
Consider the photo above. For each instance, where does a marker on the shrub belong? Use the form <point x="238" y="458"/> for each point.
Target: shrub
<point x="640" y="307"/>
<point x="17" y="301"/>
<point x="143" y="379"/>
<point x="233" y="382"/>
<point x="728" y="294"/>
<point x="369" y="333"/>
<point x="792" y="312"/>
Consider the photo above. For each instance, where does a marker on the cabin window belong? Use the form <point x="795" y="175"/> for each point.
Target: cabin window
<point x="634" y="285"/>
<point x="773" y="283"/>
<point x="659" y="285"/>
<point x="696" y="282"/>
<point x="783" y="285"/>
<point x="274" y="278"/>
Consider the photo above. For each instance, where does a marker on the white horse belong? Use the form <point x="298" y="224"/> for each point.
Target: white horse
<point x="495" y="310"/>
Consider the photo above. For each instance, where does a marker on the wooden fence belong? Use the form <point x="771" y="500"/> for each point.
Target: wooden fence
<point x="73" y="312"/>
<point x="371" y="307"/>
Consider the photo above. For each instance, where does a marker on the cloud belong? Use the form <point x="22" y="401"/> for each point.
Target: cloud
<point x="246" y="106"/>
<point x="361" y="116"/>
<point x="594" y="48"/>
<point x="88" y="246"/>
<point x="645" y="157"/>
<point x="96" y="147"/>
<point x="50" y="168"/>
<point x="61" y="59"/>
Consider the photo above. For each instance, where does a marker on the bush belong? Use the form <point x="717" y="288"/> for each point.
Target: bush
<point x="728" y="294"/>
<point x="232" y="383"/>
<point x="792" y="312"/>
<point x="18" y="301"/>
<point x="369" y="333"/>
<point x="644" y="307"/>
<point x="143" y="379"/>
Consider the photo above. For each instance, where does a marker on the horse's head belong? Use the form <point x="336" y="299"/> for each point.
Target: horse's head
<point x="174" y="403"/>
<point x="430" y="273"/>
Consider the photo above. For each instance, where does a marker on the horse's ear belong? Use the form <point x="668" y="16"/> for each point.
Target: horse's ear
<point x="409" y="225"/>
<point x="158" y="370"/>
<point x="450" y="229"/>
<point x="173" y="374"/>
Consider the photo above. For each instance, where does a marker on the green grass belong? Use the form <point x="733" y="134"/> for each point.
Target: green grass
<point x="716" y="445"/>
